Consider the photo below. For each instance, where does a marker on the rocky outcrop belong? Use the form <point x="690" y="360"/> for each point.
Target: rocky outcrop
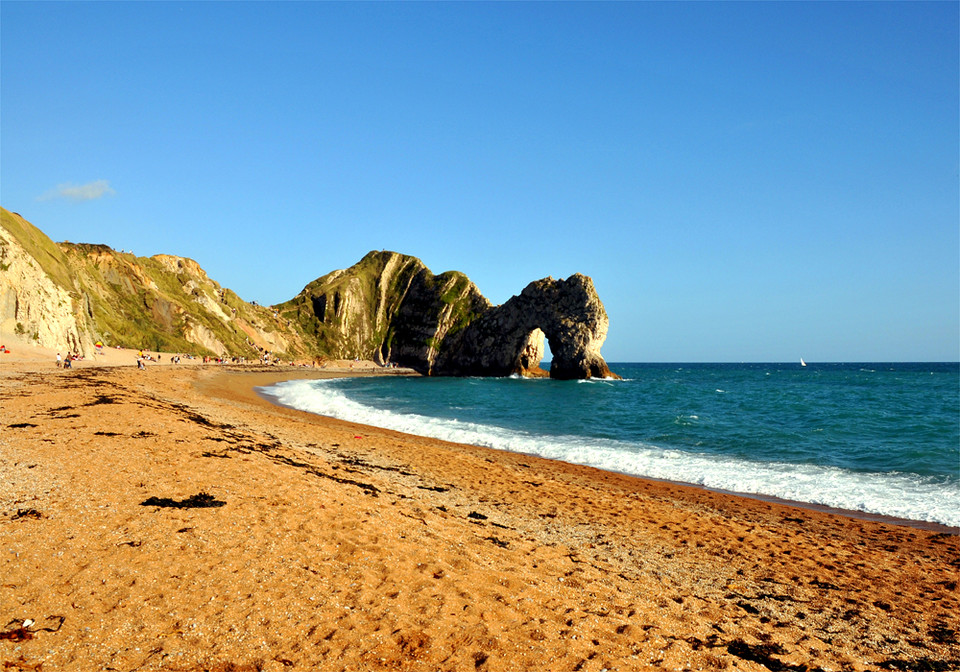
<point x="509" y="339"/>
<point x="389" y="307"/>
<point x="34" y="307"/>
<point x="68" y="295"/>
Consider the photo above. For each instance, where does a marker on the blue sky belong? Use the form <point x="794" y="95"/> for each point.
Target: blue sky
<point x="743" y="181"/>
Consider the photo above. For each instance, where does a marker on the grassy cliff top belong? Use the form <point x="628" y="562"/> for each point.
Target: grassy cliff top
<point x="39" y="246"/>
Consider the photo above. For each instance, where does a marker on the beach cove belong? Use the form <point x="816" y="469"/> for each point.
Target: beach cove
<point x="173" y="519"/>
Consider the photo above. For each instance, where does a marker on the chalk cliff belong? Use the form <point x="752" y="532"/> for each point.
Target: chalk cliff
<point x="67" y="296"/>
<point x="387" y="307"/>
<point x="38" y="301"/>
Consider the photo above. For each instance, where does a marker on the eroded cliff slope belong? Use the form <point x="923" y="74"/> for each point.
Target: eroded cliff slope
<point x="39" y="301"/>
<point x="67" y="296"/>
<point x="387" y="307"/>
<point x="390" y="308"/>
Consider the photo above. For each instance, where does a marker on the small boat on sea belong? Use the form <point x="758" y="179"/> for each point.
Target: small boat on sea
<point x="802" y="363"/>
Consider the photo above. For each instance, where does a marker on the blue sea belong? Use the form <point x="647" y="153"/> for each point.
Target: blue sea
<point x="875" y="438"/>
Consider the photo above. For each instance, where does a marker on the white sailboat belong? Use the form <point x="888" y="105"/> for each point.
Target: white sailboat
<point x="802" y="363"/>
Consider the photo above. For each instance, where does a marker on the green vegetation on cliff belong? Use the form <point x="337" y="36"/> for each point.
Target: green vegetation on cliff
<point x="157" y="303"/>
<point x="43" y="250"/>
<point x="348" y="312"/>
<point x="387" y="307"/>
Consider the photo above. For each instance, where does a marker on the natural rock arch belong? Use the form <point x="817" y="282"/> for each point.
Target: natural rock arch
<point x="390" y="308"/>
<point x="508" y="339"/>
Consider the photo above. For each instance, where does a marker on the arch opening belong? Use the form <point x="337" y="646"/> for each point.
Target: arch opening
<point x="531" y="354"/>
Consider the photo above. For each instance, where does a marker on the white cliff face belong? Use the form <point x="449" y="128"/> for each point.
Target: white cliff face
<point x="199" y="334"/>
<point x="66" y="296"/>
<point x="387" y="307"/>
<point x="211" y="306"/>
<point x="33" y="309"/>
<point x="194" y="280"/>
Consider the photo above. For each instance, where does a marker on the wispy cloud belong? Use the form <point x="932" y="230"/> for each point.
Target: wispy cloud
<point x="79" y="192"/>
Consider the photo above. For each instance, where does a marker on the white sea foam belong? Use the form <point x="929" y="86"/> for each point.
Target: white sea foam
<point x="905" y="496"/>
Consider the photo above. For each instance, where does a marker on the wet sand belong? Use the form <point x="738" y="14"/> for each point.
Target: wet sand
<point x="171" y="519"/>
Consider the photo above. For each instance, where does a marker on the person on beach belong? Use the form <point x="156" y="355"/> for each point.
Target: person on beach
<point x="59" y="361"/>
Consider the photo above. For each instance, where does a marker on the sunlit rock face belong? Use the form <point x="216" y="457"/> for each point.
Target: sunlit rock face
<point x="68" y="296"/>
<point x="508" y="339"/>
<point x="34" y="309"/>
<point x="391" y="308"/>
<point x="387" y="307"/>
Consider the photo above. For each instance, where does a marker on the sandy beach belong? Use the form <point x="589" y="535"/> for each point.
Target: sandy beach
<point x="172" y="519"/>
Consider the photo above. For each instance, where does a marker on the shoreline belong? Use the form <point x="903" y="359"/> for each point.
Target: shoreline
<point x="323" y="544"/>
<point x="850" y="513"/>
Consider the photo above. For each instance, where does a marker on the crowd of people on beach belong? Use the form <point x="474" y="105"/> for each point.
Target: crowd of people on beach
<point x="266" y="358"/>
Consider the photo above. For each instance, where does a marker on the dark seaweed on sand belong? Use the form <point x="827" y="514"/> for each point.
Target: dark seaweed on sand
<point x="26" y="513"/>
<point x="201" y="500"/>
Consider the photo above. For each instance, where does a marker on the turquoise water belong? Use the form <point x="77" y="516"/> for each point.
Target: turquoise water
<point x="878" y="438"/>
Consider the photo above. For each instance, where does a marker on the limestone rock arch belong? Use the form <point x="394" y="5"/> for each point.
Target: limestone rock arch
<point x="509" y="338"/>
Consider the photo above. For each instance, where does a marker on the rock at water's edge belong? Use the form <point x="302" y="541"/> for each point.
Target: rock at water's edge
<point x="508" y="339"/>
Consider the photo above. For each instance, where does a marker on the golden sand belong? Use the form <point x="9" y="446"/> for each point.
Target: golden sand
<point x="333" y="546"/>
